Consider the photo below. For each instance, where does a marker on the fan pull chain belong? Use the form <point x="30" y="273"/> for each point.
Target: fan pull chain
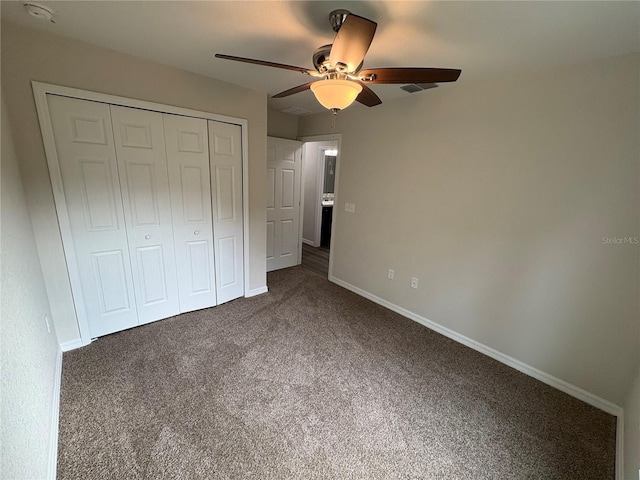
<point x="334" y="114"/>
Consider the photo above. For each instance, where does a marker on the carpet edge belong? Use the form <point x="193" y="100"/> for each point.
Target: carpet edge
<point x="552" y="381"/>
<point x="566" y="387"/>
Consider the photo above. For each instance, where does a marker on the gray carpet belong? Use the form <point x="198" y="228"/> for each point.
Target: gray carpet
<point x="311" y="381"/>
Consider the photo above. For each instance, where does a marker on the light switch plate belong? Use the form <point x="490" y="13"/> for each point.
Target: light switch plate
<point x="350" y="207"/>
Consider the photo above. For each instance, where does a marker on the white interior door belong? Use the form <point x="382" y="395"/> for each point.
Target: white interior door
<point x="87" y="159"/>
<point x="283" y="202"/>
<point x="142" y="164"/>
<point x="225" y="152"/>
<point x="190" y="184"/>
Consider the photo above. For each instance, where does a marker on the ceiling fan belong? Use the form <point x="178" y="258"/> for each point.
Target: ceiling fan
<point x="338" y="67"/>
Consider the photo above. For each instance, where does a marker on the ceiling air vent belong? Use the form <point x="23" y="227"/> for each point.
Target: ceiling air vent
<point x="418" y="87"/>
<point x="295" y="111"/>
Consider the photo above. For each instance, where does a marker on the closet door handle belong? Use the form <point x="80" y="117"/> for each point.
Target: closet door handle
<point x="147" y="237"/>
<point x="196" y="232"/>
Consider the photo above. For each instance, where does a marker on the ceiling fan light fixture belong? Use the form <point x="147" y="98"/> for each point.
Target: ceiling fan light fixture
<point x="340" y="65"/>
<point x="335" y="94"/>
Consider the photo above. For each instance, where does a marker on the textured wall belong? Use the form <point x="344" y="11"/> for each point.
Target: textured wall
<point x="28" y="354"/>
<point x="282" y="125"/>
<point x="497" y="196"/>
<point x="33" y="55"/>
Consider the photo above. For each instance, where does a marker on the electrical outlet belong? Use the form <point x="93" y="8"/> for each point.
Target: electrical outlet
<point x="46" y="320"/>
<point x="414" y="282"/>
<point x="391" y="274"/>
<point x="350" y="207"/>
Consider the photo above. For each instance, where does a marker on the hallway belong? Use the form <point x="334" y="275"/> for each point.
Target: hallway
<point x="316" y="259"/>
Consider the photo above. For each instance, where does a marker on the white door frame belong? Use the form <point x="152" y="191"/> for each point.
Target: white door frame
<point x="40" y="92"/>
<point x="323" y="138"/>
<point x="320" y="165"/>
<point x="321" y="168"/>
<point x="304" y="153"/>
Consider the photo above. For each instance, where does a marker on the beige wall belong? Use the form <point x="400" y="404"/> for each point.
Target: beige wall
<point x="632" y="431"/>
<point x="497" y="196"/>
<point x="32" y="55"/>
<point x="282" y="125"/>
<point x="28" y="354"/>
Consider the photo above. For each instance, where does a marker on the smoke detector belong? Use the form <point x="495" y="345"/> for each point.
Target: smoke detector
<point x="40" y="11"/>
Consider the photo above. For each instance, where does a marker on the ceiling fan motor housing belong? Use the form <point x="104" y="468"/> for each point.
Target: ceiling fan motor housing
<point x="321" y="58"/>
<point x="337" y="18"/>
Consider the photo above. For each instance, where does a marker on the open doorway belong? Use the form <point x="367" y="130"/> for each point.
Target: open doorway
<point x="319" y="172"/>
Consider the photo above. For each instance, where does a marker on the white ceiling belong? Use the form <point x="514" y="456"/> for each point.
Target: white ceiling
<point x="484" y="39"/>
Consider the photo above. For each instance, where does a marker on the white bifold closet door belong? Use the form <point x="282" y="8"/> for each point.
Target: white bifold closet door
<point x="87" y="159"/>
<point x="226" y="182"/>
<point x="144" y="181"/>
<point x="190" y="184"/>
<point x="154" y="203"/>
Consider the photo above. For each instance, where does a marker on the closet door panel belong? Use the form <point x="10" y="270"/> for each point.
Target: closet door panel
<point x="143" y="195"/>
<point x="87" y="159"/>
<point x="199" y="261"/>
<point x="142" y="163"/>
<point x="226" y="180"/>
<point x="153" y="285"/>
<point x="109" y="270"/>
<point x="188" y="159"/>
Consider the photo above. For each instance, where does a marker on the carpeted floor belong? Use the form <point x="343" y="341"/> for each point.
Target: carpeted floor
<point x="311" y="381"/>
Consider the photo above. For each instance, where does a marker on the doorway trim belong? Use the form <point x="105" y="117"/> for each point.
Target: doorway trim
<point x="321" y="165"/>
<point x="337" y="137"/>
<point x="40" y="92"/>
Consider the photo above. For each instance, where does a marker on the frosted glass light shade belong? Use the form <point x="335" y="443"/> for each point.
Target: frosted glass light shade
<point x="335" y="94"/>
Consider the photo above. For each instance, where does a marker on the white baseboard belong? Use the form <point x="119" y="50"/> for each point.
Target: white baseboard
<point x="55" y="415"/>
<point x="555" y="382"/>
<point x="308" y="242"/>
<point x="71" y="345"/>
<point x="256" y="291"/>
<point x="550" y="380"/>
<point x="620" y="447"/>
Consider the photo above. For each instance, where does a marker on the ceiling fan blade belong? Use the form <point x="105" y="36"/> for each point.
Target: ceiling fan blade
<point x="263" y="63"/>
<point x="411" y="75"/>
<point x="368" y="97"/>
<point x="291" y="91"/>
<point x="352" y="42"/>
